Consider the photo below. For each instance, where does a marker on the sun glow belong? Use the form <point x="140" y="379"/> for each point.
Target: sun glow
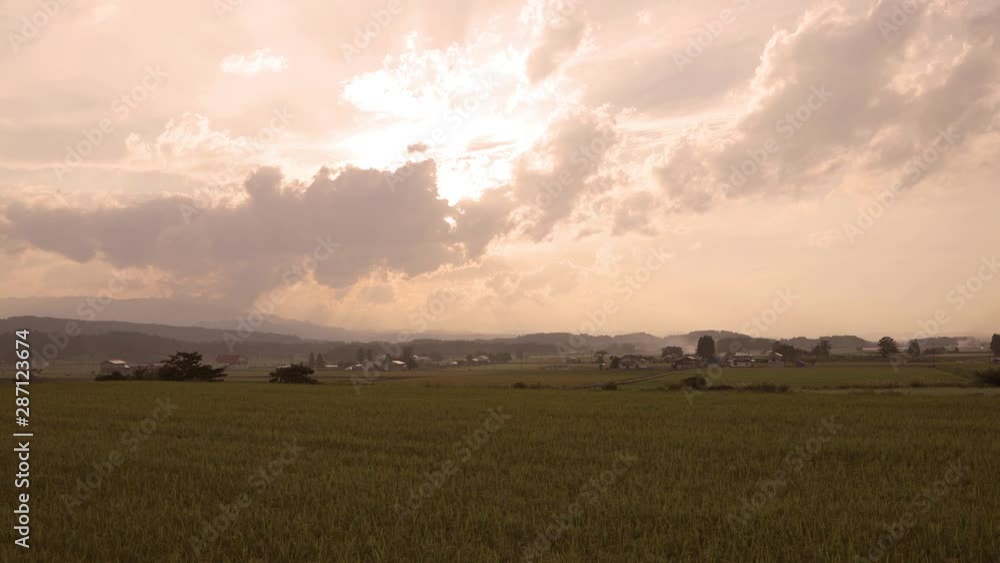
<point x="471" y="110"/>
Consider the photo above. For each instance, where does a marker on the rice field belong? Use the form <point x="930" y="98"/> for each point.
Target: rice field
<point x="397" y="471"/>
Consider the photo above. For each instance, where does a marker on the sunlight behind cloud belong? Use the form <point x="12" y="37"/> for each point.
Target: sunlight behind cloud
<point x="471" y="107"/>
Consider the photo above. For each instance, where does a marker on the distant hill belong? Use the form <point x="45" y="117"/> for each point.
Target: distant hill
<point x="146" y="342"/>
<point x="187" y="313"/>
<point x="181" y="334"/>
<point x="836" y="342"/>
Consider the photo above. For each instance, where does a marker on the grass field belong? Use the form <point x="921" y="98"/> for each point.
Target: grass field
<point x="402" y="472"/>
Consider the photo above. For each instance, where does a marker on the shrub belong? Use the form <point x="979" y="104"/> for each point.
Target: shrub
<point x="144" y="373"/>
<point x="697" y="382"/>
<point x="610" y="387"/>
<point x="188" y="366"/>
<point x="768" y="388"/>
<point x="113" y="376"/>
<point x="297" y="373"/>
<point x="989" y="377"/>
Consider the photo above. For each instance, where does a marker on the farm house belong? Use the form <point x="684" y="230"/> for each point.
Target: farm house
<point x="687" y="362"/>
<point x="108" y="367"/>
<point x="741" y="360"/>
<point x="232" y="360"/>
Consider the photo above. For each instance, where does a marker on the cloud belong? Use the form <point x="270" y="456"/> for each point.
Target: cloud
<point x="841" y="94"/>
<point x="261" y="60"/>
<point x="378" y="294"/>
<point x="245" y="245"/>
<point x="563" y="30"/>
<point x="190" y="144"/>
<point x="566" y="165"/>
<point x="480" y="221"/>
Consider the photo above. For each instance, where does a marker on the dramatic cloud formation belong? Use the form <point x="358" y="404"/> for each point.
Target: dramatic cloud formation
<point x="361" y="222"/>
<point x="843" y="92"/>
<point x="562" y="31"/>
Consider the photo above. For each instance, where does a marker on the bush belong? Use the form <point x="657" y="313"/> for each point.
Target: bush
<point x="297" y="373"/>
<point x="113" y="376"/>
<point x="188" y="366"/>
<point x="768" y="388"/>
<point x="610" y="387"/>
<point x="697" y="382"/>
<point x="989" y="377"/>
<point x="523" y="385"/>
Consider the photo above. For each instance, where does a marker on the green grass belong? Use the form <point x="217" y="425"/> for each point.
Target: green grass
<point x="820" y="377"/>
<point x="363" y="454"/>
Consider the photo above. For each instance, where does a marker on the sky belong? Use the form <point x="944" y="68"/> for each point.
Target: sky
<point x="781" y="168"/>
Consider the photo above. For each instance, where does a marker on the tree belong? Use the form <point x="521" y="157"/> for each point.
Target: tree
<point x="409" y="358"/>
<point x="914" y="349"/>
<point x="143" y="372"/>
<point x="361" y="355"/>
<point x="671" y="352"/>
<point x="995" y="345"/>
<point x="887" y="347"/>
<point x="599" y="356"/>
<point x="188" y="366"/>
<point x="706" y="348"/>
<point x="822" y="350"/>
<point x="615" y="360"/>
<point x="295" y="373"/>
<point x="312" y="360"/>
<point x="320" y="362"/>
